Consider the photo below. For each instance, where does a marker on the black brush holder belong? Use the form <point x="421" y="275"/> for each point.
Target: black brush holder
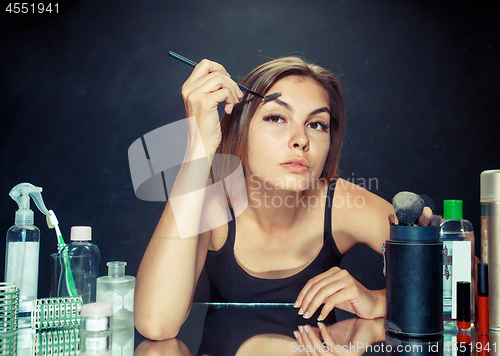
<point x="414" y="281"/>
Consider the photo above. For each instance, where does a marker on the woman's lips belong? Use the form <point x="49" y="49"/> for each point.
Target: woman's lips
<point x="295" y="167"/>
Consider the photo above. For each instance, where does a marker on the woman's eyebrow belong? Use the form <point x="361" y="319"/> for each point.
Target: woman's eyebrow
<point x="281" y="103"/>
<point x="290" y="108"/>
<point x="320" y="110"/>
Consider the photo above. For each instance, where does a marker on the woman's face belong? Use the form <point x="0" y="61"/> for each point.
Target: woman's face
<point x="289" y="138"/>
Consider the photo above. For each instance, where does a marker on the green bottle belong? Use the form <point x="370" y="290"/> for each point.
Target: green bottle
<point x="457" y="235"/>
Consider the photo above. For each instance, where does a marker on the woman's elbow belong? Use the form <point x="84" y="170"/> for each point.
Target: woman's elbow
<point x="155" y="330"/>
<point x="158" y="322"/>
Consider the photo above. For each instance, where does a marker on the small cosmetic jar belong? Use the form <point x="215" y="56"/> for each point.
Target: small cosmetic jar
<point x="97" y="317"/>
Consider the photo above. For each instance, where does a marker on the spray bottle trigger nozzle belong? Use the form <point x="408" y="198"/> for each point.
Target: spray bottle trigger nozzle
<point x="37" y="198"/>
<point x="21" y="194"/>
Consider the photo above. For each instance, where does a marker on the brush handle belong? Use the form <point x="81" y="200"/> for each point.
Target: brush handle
<point x="194" y="64"/>
<point x="249" y="91"/>
<point x="182" y="59"/>
<point x="70" y="282"/>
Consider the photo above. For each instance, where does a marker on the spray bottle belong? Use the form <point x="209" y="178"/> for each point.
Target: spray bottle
<point x="23" y="246"/>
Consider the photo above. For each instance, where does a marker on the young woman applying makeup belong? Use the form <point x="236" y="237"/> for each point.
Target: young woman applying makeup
<point x="287" y="244"/>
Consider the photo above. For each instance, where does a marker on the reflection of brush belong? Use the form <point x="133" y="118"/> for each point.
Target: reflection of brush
<point x="245" y="89"/>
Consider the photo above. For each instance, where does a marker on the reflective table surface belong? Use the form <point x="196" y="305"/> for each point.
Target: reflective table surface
<point x="220" y="329"/>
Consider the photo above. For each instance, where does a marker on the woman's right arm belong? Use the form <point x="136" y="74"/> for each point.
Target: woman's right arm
<point x="172" y="263"/>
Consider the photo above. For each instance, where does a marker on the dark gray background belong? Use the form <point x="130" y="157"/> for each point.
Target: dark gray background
<point x="420" y="79"/>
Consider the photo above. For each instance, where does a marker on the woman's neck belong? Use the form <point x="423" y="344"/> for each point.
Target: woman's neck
<point x="277" y="209"/>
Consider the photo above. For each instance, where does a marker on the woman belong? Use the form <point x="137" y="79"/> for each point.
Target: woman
<point x="287" y="244"/>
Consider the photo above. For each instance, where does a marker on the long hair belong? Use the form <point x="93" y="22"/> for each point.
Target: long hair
<point x="235" y="126"/>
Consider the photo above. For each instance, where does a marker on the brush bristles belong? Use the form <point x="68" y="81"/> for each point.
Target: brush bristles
<point x="408" y="207"/>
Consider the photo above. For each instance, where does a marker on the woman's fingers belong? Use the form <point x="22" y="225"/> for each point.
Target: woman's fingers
<point x="223" y="89"/>
<point x="320" y="297"/>
<point x="210" y="84"/>
<point x="337" y="288"/>
<point x="312" y="283"/>
<point x="339" y="300"/>
<point x="205" y="67"/>
<point x="206" y="71"/>
<point x="320" y="290"/>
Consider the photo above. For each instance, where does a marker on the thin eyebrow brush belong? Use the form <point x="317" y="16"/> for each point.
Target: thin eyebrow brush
<point x="194" y="64"/>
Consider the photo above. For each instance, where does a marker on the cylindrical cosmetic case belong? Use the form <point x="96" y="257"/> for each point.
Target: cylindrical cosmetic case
<point x="414" y="281"/>
<point x="490" y="239"/>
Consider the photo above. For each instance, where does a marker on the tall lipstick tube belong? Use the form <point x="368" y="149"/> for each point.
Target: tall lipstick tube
<point x="482" y="299"/>
<point x="490" y="240"/>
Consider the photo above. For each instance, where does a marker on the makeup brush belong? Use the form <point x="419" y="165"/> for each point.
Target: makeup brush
<point x="408" y="207"/>
<point x="428" y="201"/>
<point x="428" y="218"/>
<point x="245" y="89"/>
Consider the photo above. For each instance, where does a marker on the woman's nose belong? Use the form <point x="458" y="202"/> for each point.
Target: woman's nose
<point x="298" y="138"/>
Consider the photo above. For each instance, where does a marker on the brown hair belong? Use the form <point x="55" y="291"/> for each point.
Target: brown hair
<point x="235" y="126"/>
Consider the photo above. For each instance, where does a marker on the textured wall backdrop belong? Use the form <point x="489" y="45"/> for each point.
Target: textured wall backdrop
<point x="421" y="80"/>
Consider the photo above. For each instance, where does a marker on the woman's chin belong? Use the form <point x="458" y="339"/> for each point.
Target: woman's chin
<point x="293" y="183"/>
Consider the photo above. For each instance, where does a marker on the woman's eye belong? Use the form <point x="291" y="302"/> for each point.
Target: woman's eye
<point x="274" y="118"/>
<point x="318" y="126"/>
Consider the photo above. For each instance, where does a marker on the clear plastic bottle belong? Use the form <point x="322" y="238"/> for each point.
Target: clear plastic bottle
<point x="21" y="262"/>
<point x="117" y="289"/>
<point x="84" y="259"/>
<point x="22" y="250"/>
<point x="457" y="235"/>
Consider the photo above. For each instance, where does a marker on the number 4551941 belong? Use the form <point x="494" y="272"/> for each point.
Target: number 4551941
<point x="31" y="8"/>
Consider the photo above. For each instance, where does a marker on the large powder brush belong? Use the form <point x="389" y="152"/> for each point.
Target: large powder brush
<point x="408" y="206"/>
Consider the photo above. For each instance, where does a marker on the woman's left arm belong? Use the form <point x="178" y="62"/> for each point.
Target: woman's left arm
<point x="363" y="217"/>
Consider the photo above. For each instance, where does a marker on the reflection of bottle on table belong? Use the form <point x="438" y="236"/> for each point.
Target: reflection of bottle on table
<point x="117" y="289"/>
<point x="123" y="341"/>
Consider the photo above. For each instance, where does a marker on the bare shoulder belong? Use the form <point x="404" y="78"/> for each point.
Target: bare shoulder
<point x="359" y="216"/>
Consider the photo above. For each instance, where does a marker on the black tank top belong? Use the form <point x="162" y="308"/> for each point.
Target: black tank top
<point x="231" y="283"/>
